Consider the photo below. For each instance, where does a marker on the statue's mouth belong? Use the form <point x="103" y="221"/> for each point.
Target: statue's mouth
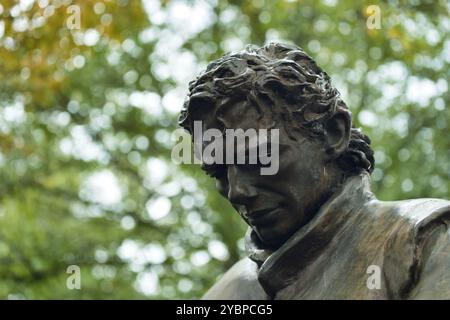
<point x="261" y="216"/>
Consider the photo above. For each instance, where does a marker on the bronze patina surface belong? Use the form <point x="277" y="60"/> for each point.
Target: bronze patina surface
<point x="315" y="229"/>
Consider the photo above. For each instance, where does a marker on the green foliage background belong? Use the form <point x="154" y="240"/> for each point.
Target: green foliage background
<point x="86" y="118"/>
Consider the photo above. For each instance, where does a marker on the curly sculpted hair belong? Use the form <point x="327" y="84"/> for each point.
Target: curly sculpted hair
<point x="278" y="75"/>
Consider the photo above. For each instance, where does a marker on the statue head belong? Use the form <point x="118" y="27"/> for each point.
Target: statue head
<point x="280" y="87"/>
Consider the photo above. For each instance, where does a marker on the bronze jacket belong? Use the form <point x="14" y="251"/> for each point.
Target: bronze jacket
<point x="356" y="247"/>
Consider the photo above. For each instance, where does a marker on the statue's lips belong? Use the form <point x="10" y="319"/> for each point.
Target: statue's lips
<point x="260" y="216"/>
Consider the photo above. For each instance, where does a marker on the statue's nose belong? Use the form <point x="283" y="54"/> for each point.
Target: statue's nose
<point x="240" y="190"/>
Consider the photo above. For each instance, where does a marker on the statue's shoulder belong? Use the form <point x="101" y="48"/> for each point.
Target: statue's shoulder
<point x="409" y="221"/>
<point x="240" y="282"/>
<point x="414" y="223"/>
<point x="420" y="212"/>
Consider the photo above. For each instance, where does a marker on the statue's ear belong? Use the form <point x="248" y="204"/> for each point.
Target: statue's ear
<point x="337" y="133"/>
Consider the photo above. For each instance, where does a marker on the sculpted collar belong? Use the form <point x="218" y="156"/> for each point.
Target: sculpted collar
<point x="279" y="268"/>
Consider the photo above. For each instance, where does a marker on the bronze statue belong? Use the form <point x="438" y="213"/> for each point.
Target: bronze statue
<point x="316" y="230"/>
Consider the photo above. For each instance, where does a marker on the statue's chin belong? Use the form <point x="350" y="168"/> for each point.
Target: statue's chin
<point x="271" y="237"/>
<point x="280" y="229"/>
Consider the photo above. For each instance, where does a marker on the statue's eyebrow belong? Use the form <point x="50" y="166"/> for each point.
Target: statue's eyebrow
<point x="269" y="149"/>
<point x="269" y="144"/>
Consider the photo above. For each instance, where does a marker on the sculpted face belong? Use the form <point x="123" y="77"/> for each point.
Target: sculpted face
<point x="275" y="206"/>
<point x="279" y="87"/>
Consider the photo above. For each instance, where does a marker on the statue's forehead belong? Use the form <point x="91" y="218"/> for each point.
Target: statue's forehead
<point x="241" y="114"/>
